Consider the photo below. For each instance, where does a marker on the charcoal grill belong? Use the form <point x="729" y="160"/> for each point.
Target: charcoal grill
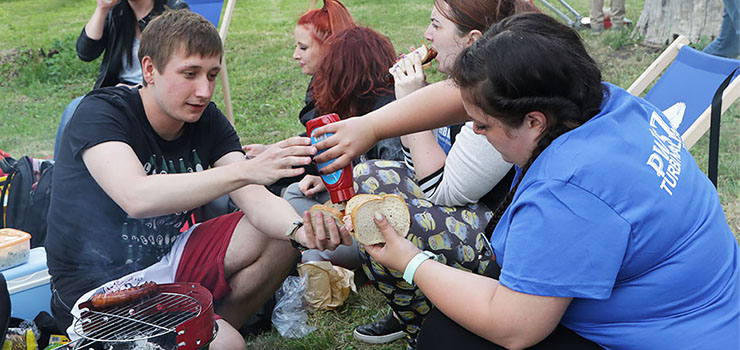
<point x="181" y="314"/>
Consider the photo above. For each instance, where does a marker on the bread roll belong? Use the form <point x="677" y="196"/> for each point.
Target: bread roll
<point x="327" y="211"/>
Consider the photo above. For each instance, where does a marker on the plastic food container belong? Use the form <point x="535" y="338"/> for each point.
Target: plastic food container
<point x="14" y="247"/>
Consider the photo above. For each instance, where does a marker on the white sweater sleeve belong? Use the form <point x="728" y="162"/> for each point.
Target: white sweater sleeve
<point x="473" y="167"/>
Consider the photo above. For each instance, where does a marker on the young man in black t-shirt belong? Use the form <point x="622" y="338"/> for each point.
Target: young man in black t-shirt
<point x="134" y="163"/>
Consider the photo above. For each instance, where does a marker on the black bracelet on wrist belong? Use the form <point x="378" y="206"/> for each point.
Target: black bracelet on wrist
<point x="291" y="235"/>
<point x="298" y="246"/>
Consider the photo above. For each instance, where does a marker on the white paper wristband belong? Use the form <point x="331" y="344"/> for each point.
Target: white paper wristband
<point x="413" y="265"/>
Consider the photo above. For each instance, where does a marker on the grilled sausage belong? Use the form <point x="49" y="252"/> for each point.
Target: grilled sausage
<point x="118" y="297"/>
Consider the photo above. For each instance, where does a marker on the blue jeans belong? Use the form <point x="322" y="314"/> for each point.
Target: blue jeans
<point x="727" y="44"/>
<point x="69" y="111"/>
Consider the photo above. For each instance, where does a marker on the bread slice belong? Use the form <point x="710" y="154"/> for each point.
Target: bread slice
<point x="356" y="200"/>
<point x="353" y="203"/>
<point x="327" y="211"/>
<point x="392" y="206"/>
<point x="338" y="206"/>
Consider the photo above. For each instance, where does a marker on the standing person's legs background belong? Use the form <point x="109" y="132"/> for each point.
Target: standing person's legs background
<point x="66" y="116"/>
<point x="617" y="13"/>
<point x="596" y="15"/>
<point x="455" y="234"/>
<point x="727" y="44"/>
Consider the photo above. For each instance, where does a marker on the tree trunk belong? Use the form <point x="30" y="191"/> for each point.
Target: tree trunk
<point x="660" y="20"/>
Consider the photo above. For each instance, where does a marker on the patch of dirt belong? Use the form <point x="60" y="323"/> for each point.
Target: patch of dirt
<point x="7" y="55"/>
<point x="11" y="57"/>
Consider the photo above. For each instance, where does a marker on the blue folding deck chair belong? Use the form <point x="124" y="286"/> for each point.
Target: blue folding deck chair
<point x="211" y="10"/>
<point x="693" y="92"/>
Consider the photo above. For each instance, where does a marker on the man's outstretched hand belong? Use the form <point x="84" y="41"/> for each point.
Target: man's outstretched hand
<point x="279" y="159"/>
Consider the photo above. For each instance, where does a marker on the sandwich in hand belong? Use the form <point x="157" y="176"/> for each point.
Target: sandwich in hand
<point x="427" y="56"/>
<point x="328" y="210"/>
<point x="359" y="213"/>
<point x="362" y="208"/>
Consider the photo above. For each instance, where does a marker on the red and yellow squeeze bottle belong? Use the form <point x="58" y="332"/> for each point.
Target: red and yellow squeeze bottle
<point x="339" y="183"/>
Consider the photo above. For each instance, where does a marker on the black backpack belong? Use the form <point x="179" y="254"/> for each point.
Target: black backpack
<point x="25" y="195"/>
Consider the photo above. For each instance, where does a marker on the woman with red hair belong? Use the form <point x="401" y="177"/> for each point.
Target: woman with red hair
<point x="352" y="76"/>
<point x="314" y="27"/>
<point x="350" y="80"/>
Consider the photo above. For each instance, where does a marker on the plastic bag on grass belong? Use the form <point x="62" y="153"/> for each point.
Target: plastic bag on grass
<point x="289" y="315"/>
<point x="328" y="285"/>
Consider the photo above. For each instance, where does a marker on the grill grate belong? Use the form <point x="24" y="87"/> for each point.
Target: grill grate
<point x="147" y="319"/>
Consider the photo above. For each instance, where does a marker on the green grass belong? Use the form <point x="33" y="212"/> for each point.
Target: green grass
<point x="267" y="90"/>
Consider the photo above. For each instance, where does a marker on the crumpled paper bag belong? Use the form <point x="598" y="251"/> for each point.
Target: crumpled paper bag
<point x="328" y="285"/>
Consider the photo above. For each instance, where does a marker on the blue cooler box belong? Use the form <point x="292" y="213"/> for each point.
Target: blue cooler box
<point x="28" y="285"/>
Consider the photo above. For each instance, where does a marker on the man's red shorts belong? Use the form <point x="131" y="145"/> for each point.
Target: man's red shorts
<point x="202" y="258"/>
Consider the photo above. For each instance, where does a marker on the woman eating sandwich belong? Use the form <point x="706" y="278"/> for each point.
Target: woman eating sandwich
<point x="450" y="179"/>
<point x="589" y="260"/>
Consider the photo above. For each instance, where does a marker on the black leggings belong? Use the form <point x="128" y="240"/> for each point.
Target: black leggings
<point x="441" y="332"/>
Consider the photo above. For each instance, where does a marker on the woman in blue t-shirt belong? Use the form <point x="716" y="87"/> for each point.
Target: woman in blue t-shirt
<point x="611" y="237"/>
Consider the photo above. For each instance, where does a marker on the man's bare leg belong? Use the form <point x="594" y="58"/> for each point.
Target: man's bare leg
<point x="227" y="338"/>
<point x="255" y="267"/>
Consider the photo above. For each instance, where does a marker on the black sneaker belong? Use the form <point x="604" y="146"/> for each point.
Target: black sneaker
<point x="383" y="331"/>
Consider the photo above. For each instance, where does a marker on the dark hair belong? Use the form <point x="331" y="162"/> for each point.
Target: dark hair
<point x="352" y="74"/>
<point x="481" y="14"/>
<point x="331" y="18"/>
<point x="530" y="62"/>
<point x="131" y="23"/>
<point x="176" y="29"/>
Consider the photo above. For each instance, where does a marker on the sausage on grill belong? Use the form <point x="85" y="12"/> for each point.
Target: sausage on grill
<point x="123" y="296"/>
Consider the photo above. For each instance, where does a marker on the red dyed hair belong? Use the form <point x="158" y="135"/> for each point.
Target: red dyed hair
<point x="352" y="74"/>
<point x="332" y="18"/>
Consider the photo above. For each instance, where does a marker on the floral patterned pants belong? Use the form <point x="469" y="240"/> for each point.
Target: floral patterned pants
<point x="455" y="234"/>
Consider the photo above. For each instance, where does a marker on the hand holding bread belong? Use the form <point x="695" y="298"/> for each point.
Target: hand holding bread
<point x="362" y="209"/>
<point x="358" y="215"/>
<point x="396" y="252"/>
<point x="408" y="74"/>
<point x="322" y="230"/>
<point x="425" y="55"/>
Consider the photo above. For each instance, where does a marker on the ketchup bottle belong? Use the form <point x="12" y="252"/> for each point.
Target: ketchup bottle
<point x="339" y="183"/>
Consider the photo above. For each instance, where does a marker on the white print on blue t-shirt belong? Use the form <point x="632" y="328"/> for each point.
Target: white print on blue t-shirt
<point x="443" y="139"/>
<point x="666" y="150"/>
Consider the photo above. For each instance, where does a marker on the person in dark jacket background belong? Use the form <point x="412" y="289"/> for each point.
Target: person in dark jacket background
<point x="114" y="30"/>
